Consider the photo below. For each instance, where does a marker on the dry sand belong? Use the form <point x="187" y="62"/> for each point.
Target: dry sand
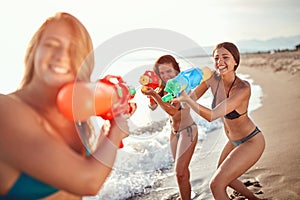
<point x="278" y="170"/>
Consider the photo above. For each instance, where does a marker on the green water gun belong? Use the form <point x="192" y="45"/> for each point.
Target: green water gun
<point x="185" y="81"/>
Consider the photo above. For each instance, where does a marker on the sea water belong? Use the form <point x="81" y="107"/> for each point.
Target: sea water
<point x="146" y="158"/>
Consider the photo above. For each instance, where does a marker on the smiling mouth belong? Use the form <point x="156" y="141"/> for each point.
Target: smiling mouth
<point x="59" y="70"/>
<point x="222" y="68"/>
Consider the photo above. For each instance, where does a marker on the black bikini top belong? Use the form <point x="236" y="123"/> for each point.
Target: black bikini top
<point x="233" y="114"/>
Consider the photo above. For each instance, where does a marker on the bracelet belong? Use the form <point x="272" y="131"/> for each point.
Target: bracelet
<point x="106" y="152"/>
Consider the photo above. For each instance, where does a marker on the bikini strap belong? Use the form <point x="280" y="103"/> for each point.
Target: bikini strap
<point x="213" y="104"/>
<point x="190" y="132"/>
<point x="231" y="85"/>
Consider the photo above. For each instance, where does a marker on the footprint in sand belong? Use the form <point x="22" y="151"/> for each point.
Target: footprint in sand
<point x="253" y="185"/>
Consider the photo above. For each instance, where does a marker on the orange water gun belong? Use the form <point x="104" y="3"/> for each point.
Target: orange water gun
<point x="150" y="79"/>
<point x="107" y="98"/>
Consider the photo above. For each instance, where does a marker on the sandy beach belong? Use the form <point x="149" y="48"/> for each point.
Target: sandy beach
<point x="278" y="169"/>
<point x="277" y="174"/>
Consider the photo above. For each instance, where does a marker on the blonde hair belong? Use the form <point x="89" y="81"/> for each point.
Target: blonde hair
<point x="82" y="59"/>
<point x="82" y="53"/>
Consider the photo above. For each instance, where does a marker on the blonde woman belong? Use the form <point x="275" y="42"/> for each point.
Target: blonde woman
<point x="40" y="150"/>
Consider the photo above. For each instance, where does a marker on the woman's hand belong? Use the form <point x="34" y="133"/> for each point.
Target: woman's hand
<point x="148" y="91"/>
<point x="119" y="125"/>
<point x="183" y="97"/>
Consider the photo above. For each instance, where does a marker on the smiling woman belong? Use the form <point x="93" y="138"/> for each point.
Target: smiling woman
<point x="44" y="153"/>
<point x="184" y="133"/>
<point x="52" y="60"/>
<point x="231" y="97"/>
<point x="55" y="48"/>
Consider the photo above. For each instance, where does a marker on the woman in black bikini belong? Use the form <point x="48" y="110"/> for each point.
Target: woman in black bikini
<point x="231" y="98"/>
<point x="184" y="135"/>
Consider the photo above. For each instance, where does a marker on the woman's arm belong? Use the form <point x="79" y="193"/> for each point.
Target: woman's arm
<point x="226" y="106"/>
<point x="27" y="146"/>
<point x="171" y="109"/>
<point x="199" y="90"/>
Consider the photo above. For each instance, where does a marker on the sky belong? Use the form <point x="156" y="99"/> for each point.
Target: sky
<point x="205" y="22"/>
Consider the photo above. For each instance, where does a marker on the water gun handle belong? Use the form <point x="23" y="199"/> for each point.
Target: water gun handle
<point x="124" y="92"/>
<point x="167" y="97"/>
<point x="121" y="97"/>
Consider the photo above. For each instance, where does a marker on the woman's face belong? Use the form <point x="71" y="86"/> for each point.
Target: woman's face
<point x="52" y="62"/>
<point x="166" y="71"/>
<point x="224" y="61"/>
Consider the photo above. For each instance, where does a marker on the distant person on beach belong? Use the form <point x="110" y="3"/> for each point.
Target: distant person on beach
<point x="41" y="151"/>
<point x="230" y="103"/>
<point x="184" y="134"/>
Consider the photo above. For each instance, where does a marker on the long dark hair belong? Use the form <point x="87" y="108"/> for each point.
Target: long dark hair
<point x="166" y="59"/>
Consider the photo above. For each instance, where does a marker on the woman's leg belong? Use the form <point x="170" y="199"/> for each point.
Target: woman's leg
<point x="185" y="149"/>
<point x="236" y="184"/>
<point x="237" y="162"/>
<point x="173" y="144"/>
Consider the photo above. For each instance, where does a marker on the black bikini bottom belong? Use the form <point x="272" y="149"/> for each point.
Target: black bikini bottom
<point x="248" y="137"/>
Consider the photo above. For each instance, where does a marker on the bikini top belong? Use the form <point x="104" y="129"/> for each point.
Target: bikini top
<point x="233" y="114"/>
<point x="27" y="187"/>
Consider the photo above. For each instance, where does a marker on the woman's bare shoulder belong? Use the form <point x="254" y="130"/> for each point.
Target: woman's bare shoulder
<point x="4" y="97"/>
<point x="213" y="78"/>
<point x="16" y="115"/>
<point x="243" y="87"/>
<point x="7" y="103"/>
<point x="12" y="104"/>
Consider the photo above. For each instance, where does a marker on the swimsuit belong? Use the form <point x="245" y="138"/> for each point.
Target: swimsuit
<point x="188" y="129"/>
<point x="248" y="137"/>
<point x="233" y="114"/>
<point x="27" y="187"/>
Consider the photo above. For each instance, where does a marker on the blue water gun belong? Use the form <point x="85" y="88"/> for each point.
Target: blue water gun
<point x="185" y="81"/>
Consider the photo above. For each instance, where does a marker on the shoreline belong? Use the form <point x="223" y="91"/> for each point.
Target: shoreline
<point x="202" y="167"/>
